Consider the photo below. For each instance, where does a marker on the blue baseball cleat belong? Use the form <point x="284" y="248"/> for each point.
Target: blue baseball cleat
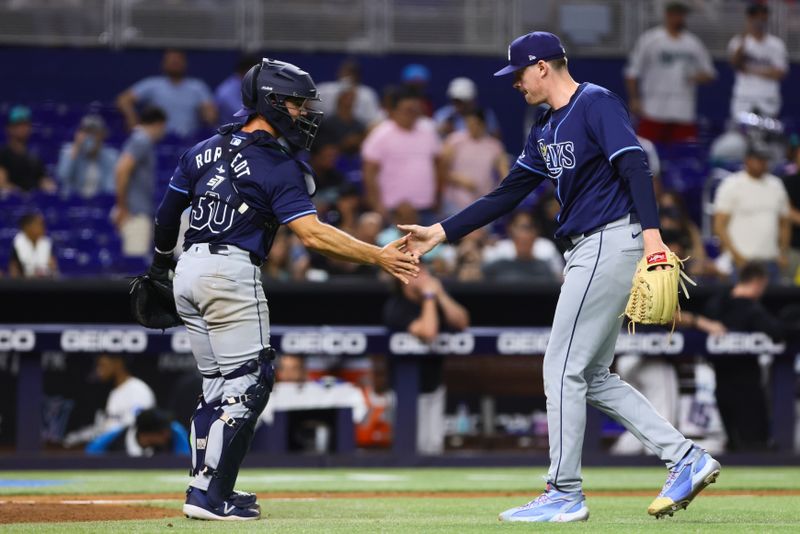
<point x="689" y="477"/>
<point x="198" y="507"/>
<point x="243" y="499"/>
<point x="552" y="506"/>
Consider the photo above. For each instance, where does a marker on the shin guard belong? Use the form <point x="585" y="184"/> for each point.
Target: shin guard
<point x="234" y="424"/>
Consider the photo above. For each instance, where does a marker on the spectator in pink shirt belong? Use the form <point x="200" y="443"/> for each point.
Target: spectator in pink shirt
<point x="473" y="160"/>
<point x="402" y="160"/>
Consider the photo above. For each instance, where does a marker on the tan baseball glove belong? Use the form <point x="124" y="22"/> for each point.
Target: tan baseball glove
<point x="654" y="295"/>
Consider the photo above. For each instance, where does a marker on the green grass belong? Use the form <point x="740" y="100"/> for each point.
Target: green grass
<point x="424" y="479"/>
<point x="746" y="513"/>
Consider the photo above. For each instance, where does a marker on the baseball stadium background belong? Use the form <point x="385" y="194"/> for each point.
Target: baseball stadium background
<point x="338" y="448"/>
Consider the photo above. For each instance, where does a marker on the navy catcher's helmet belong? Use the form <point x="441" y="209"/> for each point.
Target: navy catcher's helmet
<point x="265" y="89"/>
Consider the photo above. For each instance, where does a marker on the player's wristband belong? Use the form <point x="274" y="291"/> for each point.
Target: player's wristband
<point x="428" y="295"/>
<point x="162" y="260"/>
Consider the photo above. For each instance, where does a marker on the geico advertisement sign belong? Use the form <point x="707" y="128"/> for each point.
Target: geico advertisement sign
<point x="536" y="343"/>
<point x="111" y="340"/>
<point x="650" y="343"/>
<point x="180" y="342"/>
<point x="324" y="342"/>
<point x="522" y="342"/>
<point x="743" y="343"/>
<point x="22" y="340"/>
<point x="300" y="342"/>
<point x="460" y="343"/>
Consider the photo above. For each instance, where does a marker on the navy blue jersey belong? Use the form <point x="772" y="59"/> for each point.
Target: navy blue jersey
<point x="267" y="177"/>
<point x="574" y="147"/>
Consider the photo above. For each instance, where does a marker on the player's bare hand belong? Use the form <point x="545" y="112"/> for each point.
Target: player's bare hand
<point x="423" y="238"/>
<point x="396" y="260"/>
<point x="654" y="245"/>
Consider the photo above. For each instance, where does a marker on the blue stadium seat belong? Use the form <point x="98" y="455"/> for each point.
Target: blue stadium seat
<point x="85" y="241"/>
<point x="59" y="237"/>
<point x="684" y="166"/>
<point x="7" y="233"/>
<point x="103" y="200"/>
<point x="129" y="266"/>
<point x="72" y="262"/>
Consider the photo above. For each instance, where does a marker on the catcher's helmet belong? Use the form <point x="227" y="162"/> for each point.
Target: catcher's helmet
<point x="265" y="89"/>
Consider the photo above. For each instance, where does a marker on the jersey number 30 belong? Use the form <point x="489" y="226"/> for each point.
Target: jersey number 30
<point x="211" y="213"/>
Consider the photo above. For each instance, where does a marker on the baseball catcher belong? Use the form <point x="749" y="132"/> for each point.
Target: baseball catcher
<point x="242" y="184"/>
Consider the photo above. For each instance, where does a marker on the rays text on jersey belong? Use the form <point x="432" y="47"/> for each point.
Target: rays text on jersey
<point x="558" y="156"/>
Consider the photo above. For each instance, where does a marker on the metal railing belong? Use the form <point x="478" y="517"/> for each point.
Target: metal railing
<point x="588" y="27"/>
<point x="182" y="23"/>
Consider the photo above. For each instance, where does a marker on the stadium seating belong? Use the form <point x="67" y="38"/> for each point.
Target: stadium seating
<point x="86" y="242"/>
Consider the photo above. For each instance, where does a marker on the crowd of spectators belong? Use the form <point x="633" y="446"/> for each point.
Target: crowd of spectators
<point x="384" y="159"/>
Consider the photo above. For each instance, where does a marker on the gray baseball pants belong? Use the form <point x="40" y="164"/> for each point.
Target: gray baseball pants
<point x="221" y="301"/>
<point x="587" y="321"/>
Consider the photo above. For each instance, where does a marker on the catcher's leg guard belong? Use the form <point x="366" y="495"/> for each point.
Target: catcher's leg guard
<point x="246" y="393"/>
<point x="207" y="406"/>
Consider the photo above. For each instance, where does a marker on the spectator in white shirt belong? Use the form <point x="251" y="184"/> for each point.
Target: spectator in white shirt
<point x="130" y="394"/>
<point x="662" y="75"/>
<point x="751" y="215"/>
<point x="129" y="397"/>
<point x="761" y="62"/>
<point x="463" y="95"/>
<point x="366" y="107"/>
<point x="292" y="368"/>
<point x="540" y="259"/>
<point x="31" y="250"/>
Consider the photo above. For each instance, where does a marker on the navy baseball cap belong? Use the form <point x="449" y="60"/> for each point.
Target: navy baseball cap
<point x="531" y="48"/>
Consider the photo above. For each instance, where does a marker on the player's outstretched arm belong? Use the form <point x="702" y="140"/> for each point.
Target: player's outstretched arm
<point x="394" y="258"/>
<point x="423" y="238"/>
<point x="515" y="187"/>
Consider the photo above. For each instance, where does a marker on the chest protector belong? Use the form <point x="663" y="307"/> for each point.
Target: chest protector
<point x="216" y="191"/>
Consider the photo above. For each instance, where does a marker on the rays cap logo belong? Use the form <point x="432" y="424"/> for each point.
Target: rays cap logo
<point x="532" y="48"/>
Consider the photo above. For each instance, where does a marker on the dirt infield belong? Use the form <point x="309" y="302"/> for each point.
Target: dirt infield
<point x="16" y="512"/>
<point x="118" y="506"/>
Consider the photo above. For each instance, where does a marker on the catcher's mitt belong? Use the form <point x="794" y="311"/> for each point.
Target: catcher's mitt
<point x="654" y="295"/>
<point x="152" y="303"/>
